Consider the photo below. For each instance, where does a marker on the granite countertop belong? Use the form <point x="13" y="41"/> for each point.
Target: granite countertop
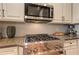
<point x="19" y="41"/>
<point x="65" y="37"/>
<point x="53" y="47"/>
<point x="9" y="42"/>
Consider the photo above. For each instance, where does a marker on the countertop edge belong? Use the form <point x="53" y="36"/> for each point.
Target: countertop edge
<point x="14" y="45"/>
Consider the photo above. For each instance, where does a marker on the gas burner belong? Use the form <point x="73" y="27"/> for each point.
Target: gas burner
<point x="39" y="37"/>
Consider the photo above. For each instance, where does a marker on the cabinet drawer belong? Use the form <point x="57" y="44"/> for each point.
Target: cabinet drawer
<point x="10" y="50"/>
<point x="8" y="53"/>
<point x="70" y="43"/>
<point x="78" y="41"/>
<point x="5" y="52"/>
<point x="72" y="52"/>
<point x="70" y="47"/>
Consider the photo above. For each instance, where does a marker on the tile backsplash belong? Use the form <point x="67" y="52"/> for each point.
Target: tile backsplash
<point x="32" y="28"/>
<point x="77" y="28"/>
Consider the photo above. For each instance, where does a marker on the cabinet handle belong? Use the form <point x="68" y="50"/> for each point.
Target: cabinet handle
<point x="70" y="42"/>
<point x="3" y="13"/>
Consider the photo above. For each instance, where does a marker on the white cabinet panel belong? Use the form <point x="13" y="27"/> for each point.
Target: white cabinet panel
<point x="62" y="12"/>
<point x="11" y="51"/>
<point x="70" y="43"/>
<point x="71" y="47"/>
<point x="57" y="12"/>
<point x="13" y="12"/>
<point x="67" y="13"/>
<point x="72" y="52"/>
<point x="78" y="43"/>
<point x="20" y="50"/>
<point x="76" y="13"/>
<point x="0" y="11"/>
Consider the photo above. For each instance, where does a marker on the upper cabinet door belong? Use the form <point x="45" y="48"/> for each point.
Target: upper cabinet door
<point x="75" y="12"/>
<point x="13" y="12"/>
<point x="0" y="11"/>
<point x="67" y="12"/>
<point x="57" y="12"/>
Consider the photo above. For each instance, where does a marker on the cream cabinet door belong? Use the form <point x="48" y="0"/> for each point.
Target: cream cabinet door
<point x="75" y="12"/>
<point x="78" y="43"/>
<point x="71" y="47"/>
<point x="0" y="11"/>
<point x="13" y="12"/>
<point x="67" y="12"/>
<point x="8" y="51"/>
<point x="57" y="12"/>
<point x="11" y="51"/>
<point x="72" y="52"/>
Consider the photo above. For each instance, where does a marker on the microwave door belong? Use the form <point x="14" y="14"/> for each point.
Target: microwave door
<point x="45" y="12"/>
<point x="32" y="10"/>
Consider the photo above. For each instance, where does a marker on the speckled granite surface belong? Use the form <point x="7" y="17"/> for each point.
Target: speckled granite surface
<point x="53" y="47"/>
<point x="64" y="37"/>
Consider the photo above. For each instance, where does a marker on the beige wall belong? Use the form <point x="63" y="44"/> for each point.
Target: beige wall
<point x="31" y="28"/>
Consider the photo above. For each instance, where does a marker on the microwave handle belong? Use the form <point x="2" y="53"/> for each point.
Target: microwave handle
<point x="3" y="13"/>
<point x="51" y="12"/>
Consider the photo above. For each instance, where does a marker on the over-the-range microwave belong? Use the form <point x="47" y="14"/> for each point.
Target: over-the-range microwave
<point x="38" y="12"/>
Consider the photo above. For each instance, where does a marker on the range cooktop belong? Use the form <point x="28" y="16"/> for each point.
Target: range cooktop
<point x="39" y="37"/>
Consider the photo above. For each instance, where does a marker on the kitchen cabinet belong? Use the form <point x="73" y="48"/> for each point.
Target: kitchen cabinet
<point x="57" y="14"/>
<point x="0" y="11"/>
<point x="78" y="43"/>
<point x="72" y="52"/>
<point x="62" y="13"/>
<point x="76" y="13"/>
<point x="67" y="13"/>
<point x="71" y="47"/>
<point x="13" y="12"/>
<point x="11" y="51"/>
